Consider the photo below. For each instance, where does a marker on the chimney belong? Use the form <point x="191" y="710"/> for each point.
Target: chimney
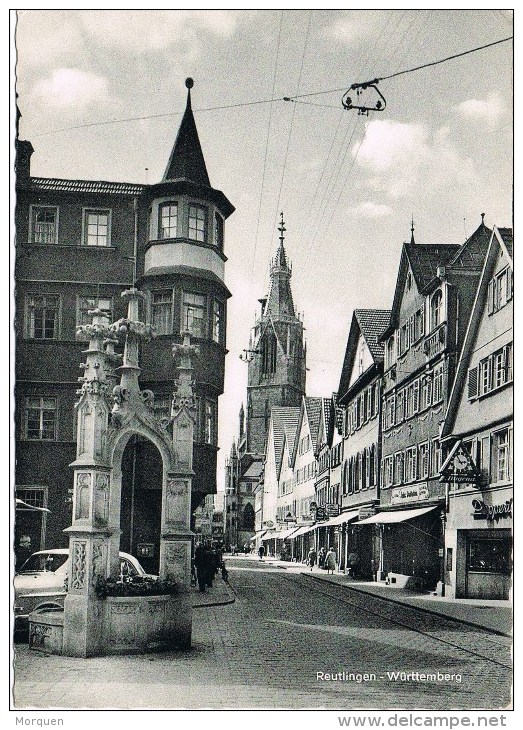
<point x="24" y="150"/>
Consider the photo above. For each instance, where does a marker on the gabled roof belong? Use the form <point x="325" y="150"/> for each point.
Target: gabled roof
<point x="326" y="422"/>
<point x="85" y="186"/>
<point x="506" y="235"/>
<point x="284" y="426"/>
<point x="497" y="240"/>
<point x="471" y="254"/>
<point x="313" y="407"/>
<point x="371" y="323"/>
<point x="423" y="259"/>
<point x="186" y="160"/>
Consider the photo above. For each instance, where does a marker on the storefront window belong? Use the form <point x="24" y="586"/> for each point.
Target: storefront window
<point x="489" y="556"/>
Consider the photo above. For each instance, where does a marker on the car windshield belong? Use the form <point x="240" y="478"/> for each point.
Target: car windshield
<point x="43" y="562"/>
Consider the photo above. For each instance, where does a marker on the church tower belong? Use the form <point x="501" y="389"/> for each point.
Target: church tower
<point x="277" y="369"/>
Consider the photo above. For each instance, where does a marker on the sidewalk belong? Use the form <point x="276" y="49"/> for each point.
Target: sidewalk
<point x="493" y="616"/>
<point x="220" y="594"/>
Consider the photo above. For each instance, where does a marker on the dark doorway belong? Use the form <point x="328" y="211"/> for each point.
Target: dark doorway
<point x="141" y="502"/>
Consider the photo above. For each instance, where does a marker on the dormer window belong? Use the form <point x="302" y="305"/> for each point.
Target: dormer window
<point x="197" y="222"/>
<point x="168" y="220"/>
<point x="436" y="309"/>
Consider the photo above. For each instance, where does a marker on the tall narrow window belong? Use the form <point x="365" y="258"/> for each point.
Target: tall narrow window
<point x="168" y="220"/>
<point x="44" y="224"/>
<point x="423" y="461"/>
<point x="40" y="419"/>
<point x="43" y="316"/>
<point x="197" y="221"/>
<point x="97" y="228"/>
<point x="161" y="311"/>
<point x="194" y="314"/>
<point x="501" y="456"/>
<point x="269" y="350"/>
<point x="436" y="309"/>
<point x="437" y="389"/>
<point x="86" y="304"/>
<point x="218" y="231"/>
<point x="210" y="422"/>
<point x="218" y="324"/>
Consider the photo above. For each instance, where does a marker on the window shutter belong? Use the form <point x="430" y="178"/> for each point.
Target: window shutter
<point x="422" y="310"/>
<point x="509" y="284"/>
<point x="473" y="383"/>
<point x="490" y="297"/>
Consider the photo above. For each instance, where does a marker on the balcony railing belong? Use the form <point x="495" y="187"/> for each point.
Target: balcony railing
<point x="436" y="342"/>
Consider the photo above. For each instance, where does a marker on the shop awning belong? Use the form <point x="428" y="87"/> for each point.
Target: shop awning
<point x="259" y="535"/>
<point x="340" y="519"/>
<point x="285" y="533"/>
<point x="387" y="518"/>
<point x="303" y="530"/>
<point x="269" y="535"/>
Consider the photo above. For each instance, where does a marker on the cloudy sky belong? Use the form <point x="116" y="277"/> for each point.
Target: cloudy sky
<point x="348" y="185"/>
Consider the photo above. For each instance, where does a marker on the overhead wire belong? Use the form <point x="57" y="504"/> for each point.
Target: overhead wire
<point x="345" y="146"/>
<point x="266" y="149"/>
<point x="292" y="123"/>
<point x="267" y="101"/>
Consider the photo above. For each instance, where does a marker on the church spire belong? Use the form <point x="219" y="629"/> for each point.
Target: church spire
<point x="412" y="230"/>
<point x="186" y="160"/>
<point x="279" y="300"/>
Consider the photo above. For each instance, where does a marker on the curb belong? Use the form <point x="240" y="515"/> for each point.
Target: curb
<point x="225" y="602"/>
<point x="415" y="608"/>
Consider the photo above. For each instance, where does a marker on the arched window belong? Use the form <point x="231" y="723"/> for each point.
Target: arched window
<point x="269" y="347"/>
<point x="436" y="309"/>
<point x="248" y="517"/>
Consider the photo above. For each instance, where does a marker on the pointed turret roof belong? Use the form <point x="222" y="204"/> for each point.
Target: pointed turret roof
<point x="186" y="161"/>
<point x="279" y="300"/>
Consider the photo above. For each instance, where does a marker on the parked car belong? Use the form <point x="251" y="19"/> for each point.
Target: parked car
<point x="42" y="579"/>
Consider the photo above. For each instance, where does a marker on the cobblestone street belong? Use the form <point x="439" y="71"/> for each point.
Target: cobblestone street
<point x="266" y="649"/>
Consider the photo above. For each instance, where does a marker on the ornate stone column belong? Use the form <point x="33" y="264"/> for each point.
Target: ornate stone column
<point x="176" y="536"/>
<point x="90" y="532"/>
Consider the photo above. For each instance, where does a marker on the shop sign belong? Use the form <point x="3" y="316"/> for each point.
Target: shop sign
<point x="413" y="493"/>
<point x="368" y="511"/>
<point x="459" y="467"/>
<point x="320" y="514"/>
<point x="491" y="512"/>
<point x="332" y="509"/>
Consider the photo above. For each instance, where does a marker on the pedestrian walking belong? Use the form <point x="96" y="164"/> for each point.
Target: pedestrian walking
<point x="312" y="558"/>
<point x="353" y="561"/>
<point x="200" y="564"/>
<point x="261" y="552"/>
<point x="321" y="558"/>
<point x="330" y="561"/>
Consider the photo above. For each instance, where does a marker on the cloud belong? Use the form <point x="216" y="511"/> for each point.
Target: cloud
<point x="353" y="26"/>
<point x="156" y="30"/>
<point x="368" y="209"/>
<point x="490" y="109"/>
<point x="403" y="157"/>
<point x="70" y="87"/>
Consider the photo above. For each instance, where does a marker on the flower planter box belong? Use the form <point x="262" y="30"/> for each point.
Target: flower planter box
<point x="138" y="624"/>
<point x="130" y="625"/>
